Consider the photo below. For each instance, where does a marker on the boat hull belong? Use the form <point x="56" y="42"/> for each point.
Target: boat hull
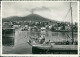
<point x="36" y="50"/>
<point x="40" y="46"/>
<point x="55" y="49"/>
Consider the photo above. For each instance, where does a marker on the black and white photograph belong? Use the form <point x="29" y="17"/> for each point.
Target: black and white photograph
<point x="39" y="27"/>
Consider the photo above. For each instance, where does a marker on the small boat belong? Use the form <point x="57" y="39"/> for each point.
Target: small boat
<point x="39" y="43"/>
<point x="40" y="46"/>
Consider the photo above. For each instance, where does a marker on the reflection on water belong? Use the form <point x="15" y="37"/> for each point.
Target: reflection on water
<point x="53" y="36"/>
<point x="19" y="41"/>
<point x="8" y="41"/>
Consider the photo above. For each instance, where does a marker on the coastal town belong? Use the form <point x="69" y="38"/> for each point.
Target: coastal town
<point x="52" y="26"/>
<point x="37" y="34"/>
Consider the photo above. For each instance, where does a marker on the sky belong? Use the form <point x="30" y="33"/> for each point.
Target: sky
<point x="52" y="10"/>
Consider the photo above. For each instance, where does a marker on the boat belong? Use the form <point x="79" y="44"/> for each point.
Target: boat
<point x="8" y="31"/>
<point x="39" y="43"/>
<point x="40" y="46"/>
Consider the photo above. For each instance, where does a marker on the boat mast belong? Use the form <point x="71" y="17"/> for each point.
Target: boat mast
<point x="71" y="23"/>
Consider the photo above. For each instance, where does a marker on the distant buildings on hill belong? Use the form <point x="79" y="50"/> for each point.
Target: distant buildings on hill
<point x="48" y="25"/>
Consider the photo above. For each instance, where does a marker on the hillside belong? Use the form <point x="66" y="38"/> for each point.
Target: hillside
<point x="31" y="17"/>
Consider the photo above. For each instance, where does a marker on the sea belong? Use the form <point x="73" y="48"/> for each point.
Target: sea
<point x="16" y="43"/>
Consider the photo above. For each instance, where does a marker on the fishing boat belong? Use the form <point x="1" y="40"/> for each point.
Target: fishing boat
<point x="40" y="46"/>
<point x="39" y="43"/>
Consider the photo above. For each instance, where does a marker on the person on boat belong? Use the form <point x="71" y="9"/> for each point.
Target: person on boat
<point x="29" y="41"/>
<point x="49" y="43"/>
<point x="42" y="39"/>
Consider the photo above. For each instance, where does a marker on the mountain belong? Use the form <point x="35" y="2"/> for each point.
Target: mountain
<point x="31" y="17"/>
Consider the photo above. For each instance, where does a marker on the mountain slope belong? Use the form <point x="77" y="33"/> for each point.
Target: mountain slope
<point x="31" y="17"/>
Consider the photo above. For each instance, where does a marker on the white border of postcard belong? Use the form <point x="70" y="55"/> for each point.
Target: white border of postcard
<point x="44" y="55"/>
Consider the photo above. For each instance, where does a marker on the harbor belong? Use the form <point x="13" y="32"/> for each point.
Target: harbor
<point x="20" y="46"/>
<point x="41" y="34"/>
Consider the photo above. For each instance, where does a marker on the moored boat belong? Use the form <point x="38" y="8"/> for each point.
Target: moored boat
<point x="40" y="46"/>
